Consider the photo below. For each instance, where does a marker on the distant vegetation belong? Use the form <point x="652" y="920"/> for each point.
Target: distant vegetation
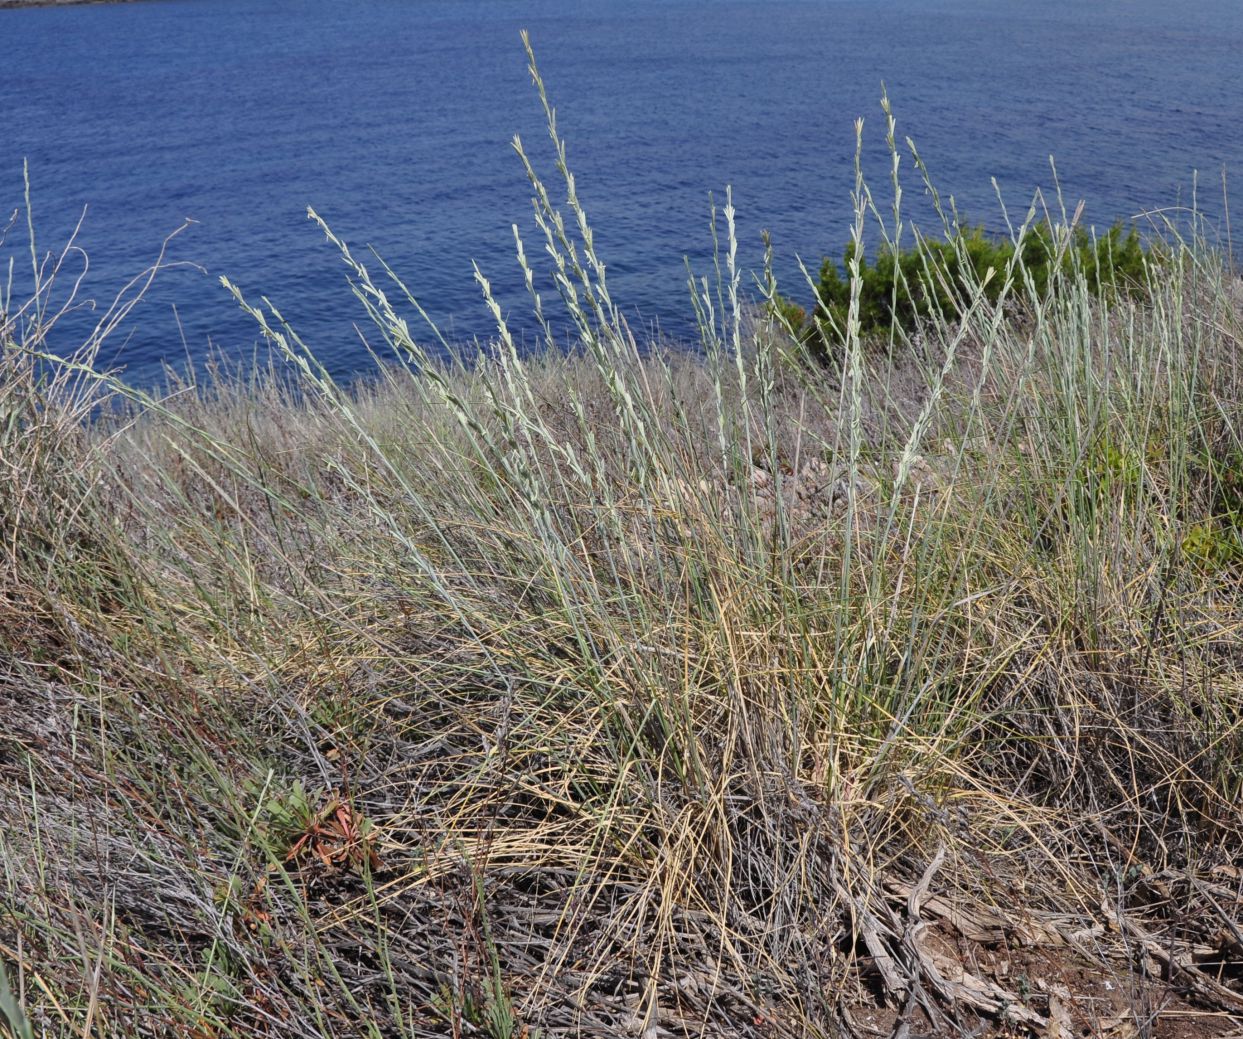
<point x="620" y="692"/>
<point x="937" y="279"/>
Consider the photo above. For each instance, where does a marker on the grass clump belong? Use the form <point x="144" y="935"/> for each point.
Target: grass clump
<point x="613" y="691"/>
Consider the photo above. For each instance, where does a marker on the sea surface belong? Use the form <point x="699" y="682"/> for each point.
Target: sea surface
<point x="394" y="120"/>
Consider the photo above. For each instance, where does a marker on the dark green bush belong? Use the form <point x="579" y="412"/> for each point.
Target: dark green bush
<point x="935" y="279"/>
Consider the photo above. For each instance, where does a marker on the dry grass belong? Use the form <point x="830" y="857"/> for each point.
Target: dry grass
<point x="632" y="693"/>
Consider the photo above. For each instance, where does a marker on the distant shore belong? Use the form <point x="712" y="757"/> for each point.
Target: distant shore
<point x="8" y="4"/>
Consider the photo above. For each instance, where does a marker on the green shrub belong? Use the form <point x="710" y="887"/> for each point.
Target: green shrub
<point x="939" y="278"/>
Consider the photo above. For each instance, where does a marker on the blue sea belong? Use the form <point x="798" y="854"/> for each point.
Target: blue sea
<point x="393" y="119"/>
